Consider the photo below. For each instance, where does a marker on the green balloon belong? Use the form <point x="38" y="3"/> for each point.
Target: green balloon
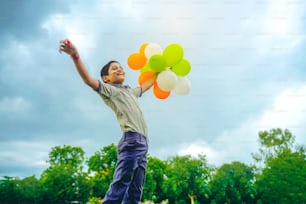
<point x="146" y="68"/>
<point x="157" y="63"/>
<point x="182" y="68"/>
<point x="173" y="53"/>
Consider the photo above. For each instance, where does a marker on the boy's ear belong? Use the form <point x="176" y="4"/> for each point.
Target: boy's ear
<point x="105" y="79"/>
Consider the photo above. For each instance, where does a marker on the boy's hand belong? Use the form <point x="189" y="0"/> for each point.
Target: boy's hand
<point x="67" y="47"/>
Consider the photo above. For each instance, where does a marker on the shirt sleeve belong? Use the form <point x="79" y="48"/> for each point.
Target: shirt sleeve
<point x="106" y="89"/>
<point x="137" y="91"/>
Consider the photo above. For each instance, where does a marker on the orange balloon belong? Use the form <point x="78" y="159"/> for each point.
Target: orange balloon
<point x="160" y="94"/>
<point x="136" y="61"/>
<point x="143" y="77"/>
<point x="143" y="47"/>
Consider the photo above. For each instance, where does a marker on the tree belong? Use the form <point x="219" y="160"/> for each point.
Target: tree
<point x="30" y="190"/>
<point x="102" y="164"/>
<point x="67" y="155"/>
<point x="283" y="179"/>
<point x="9" y="192"/>
<point x="14" y="190"/>
<point x="155" y="175"/>
<point x="186" y="179"/>
<point x="272" y="143"/>
<point x="63" y="181"/>
<point x="233" y="183"/>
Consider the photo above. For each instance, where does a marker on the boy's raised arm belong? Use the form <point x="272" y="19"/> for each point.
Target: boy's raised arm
<point x="70" y="49"/>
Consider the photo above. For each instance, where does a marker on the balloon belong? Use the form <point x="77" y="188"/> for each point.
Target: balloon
<point x="152" y="49"/>
<point x="173" y="53"/>
<point x="136" y="61"/>
<point x="146" y="68"/>
<point x="143" y="77"/>
<point x="143" y="47"/>
<point x="159" y="93"/>
<point x="182" y="86"/>
<point x="182" y="68"/>
<point x="157" y="63"/>
<point x="166" y="80"/>
<point x="167" y="67"/>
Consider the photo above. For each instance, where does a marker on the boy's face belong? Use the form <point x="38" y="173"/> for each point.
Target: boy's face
<point x="116" y="74"/>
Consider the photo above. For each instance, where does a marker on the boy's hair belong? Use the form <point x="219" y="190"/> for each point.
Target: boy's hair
<point x="105" y="68"/>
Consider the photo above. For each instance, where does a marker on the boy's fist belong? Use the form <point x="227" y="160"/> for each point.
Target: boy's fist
<point x="67" y="47"/>
<point x="64" y="43"/>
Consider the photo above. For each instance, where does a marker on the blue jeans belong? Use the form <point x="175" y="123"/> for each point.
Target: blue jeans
<point x="130" y="170"/>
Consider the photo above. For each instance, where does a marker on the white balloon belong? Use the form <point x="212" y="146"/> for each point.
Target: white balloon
<point x="152" y="49"/>
<point x="166" y="80"/>
<point x="182" y="86"/>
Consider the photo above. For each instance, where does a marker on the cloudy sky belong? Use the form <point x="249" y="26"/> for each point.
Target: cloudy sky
<point x="248" y="74"/>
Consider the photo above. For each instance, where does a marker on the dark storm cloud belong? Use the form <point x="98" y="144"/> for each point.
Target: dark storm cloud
<point x="22" y="19"/>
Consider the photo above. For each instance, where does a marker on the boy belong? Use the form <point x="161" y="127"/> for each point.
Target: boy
<point x="130" y="169"/>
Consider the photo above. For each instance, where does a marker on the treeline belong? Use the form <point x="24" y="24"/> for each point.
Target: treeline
<point x="278" y="175"/>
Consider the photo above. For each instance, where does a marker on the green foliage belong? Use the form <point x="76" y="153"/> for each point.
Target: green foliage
<point x="102" y="164"/>
<point x="103" y="160"/>
<point x="186" y="179"/>
<point x="154" y="180"/>
<point x="66" y="155"/>
<point x="30" y="190"/>
<point x="63" y="181"/>
<point x="14" y="190"/>
<point x="233" y="184"/>
<point x="283" y="179"/>
<point x="180" y="179"/>
<point x="9" y="192"/>
<point x="94" y="200"/>
<point x="272" y="143"/>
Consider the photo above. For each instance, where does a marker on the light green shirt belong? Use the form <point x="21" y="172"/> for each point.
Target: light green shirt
<point x="123" y="101"/>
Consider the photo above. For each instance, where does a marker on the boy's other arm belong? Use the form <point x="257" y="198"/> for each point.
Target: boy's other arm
<point x="148" y="84"/>
<point x="67" y="47"/>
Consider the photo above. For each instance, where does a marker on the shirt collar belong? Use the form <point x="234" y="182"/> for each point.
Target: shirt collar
<point x="121" y="86"/>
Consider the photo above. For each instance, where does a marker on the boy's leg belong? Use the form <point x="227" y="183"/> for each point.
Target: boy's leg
<point x="133" y="196"/>
<point x="132" y="150"/>
<point x="122" y="179"/>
